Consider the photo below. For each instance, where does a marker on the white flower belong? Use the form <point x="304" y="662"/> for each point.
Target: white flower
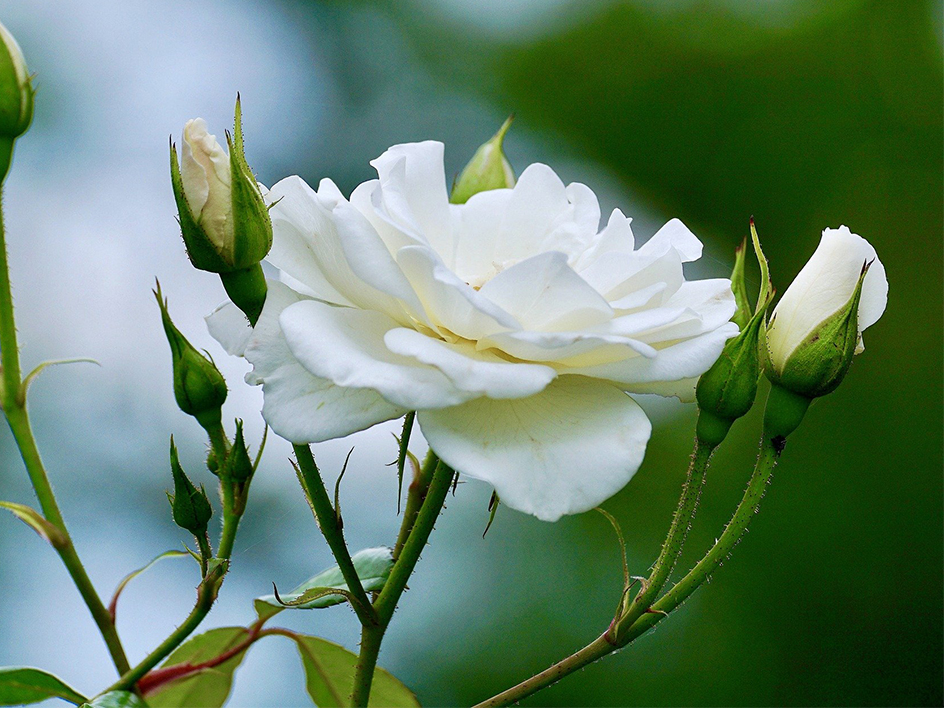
<point x="207" y="181"/>
<point x="824" y="287"/>
<point x="510" y="323"/>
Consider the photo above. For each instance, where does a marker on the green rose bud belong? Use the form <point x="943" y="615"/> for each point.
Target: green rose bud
<point x="16" y="97"/>
<point x="727" y="390"/>
<point x="488" y="169"/>
<point x="190" y="506"/>
<point x="238" y="466"/>
<point x="223" y="216"/>
<point x="199" y="387"/>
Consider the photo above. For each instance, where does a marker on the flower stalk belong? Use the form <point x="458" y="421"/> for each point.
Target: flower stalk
<point x="14" y="407"/>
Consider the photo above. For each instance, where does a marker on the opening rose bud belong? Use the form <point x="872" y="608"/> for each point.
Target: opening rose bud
<point x="817" y="326"/>
<point x="488" y="169"/>
<point x="16" y="97"/>
<point x="223" y="216"/>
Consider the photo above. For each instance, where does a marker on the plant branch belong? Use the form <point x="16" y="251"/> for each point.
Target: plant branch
<point x="421" y="528"/>
<point x="330" y="525"/>
<point x="607" y="643"/>
<point x="14" y="406"/>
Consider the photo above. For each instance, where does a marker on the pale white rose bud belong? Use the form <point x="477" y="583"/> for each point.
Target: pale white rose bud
<point x="817" y="326"/>
<point x="224" y="219"/>
<point x="205" y="169"/>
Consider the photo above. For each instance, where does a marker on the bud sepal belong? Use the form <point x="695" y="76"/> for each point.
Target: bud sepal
<point x="199" y="387"/>
<point x="488" y="169"/>
<point x="190" y="506"/>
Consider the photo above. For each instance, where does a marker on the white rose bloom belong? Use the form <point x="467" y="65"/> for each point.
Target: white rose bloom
<point x="823" y="287"/>
<point x="511" y="324"/>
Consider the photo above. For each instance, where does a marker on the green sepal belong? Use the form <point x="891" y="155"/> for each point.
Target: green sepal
<point x="16" y="90"/>
<point x="191" y="506"/>
<point x="199" y="387"/>
<point x="743" y="313"/>
<point x="727" y="390"/>
<point x="238" y="466"/>
<point x="488" y="169"/>
<point x="201" y="251"/>
<point x="252" y="228"/>
<point x="821" y="361"/>
<point x="247" y="288"/>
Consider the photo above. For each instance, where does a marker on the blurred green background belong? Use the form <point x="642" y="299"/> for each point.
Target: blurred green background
<point x="803" y="114"/>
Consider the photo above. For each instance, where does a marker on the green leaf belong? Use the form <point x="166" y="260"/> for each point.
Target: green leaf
<point x="373" y="568"/>
<point x="208" y="687"/>
<point x="112" y="606"/>
<point x="35" y="521"/>
<point x="20" y="685"/>
<point x="116" y="699"/>
<point x="329" y="677"/>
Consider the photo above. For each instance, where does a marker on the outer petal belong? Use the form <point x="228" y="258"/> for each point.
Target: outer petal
<point x="297" y="405"/>
<point x="686" y="359"/>
<point x="677" y="235"/>
<point x="414" y="197"/>
<point x="228" y="326"/>
<point x="562" y="451"/>
<point x="479" y="373"/>
<point x="823" y="286"/>
<point x="323" y="242"/>
<point x="346" y="345"/>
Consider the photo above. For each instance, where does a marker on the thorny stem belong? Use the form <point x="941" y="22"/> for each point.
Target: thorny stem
<point x="206" y="595"/>
<point x="605" y="644"/>
<point x="675" y="539"/>
<point x="330" y="525"/>
<point x="14" y="406"/>
<point x="372" y="636"/>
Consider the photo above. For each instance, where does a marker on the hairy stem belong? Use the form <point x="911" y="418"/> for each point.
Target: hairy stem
<point x="14" y="406"/>
<point x="330" y="525"/>
<point x="606" y="643"/>
<point x="675" y="539"/>
<point x="386" y="603"/>
<point x="206" y="595"/>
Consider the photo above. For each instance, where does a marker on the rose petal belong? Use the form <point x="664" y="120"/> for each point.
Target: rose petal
<point x="562" y="451"/>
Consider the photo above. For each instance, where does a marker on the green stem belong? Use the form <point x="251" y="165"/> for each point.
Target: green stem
<point x="219" y="443"/>
<point x="14" y="406"/>
<point x="386" y="603"/>
<point x="604" y="644"/>
<point x="746" y="510"/>
<point x="206" y="596"/>
<point x="675" y="539"/>
<point x="231" y="517"/>
<point x="416" y="494"/>
<point x="330" y="526"/>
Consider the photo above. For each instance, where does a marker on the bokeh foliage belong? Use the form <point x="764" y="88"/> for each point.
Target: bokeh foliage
<point x="806" y="115"/>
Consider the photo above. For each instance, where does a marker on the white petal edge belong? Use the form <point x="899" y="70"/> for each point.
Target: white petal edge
<point x="298" y="406"/>
<point x="562" y="451"/>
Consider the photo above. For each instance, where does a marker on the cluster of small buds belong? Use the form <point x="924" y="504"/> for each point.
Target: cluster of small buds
<point x="807" y="347"/>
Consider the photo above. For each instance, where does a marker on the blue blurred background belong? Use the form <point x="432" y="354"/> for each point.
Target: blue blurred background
<point x="802" y="113"/>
